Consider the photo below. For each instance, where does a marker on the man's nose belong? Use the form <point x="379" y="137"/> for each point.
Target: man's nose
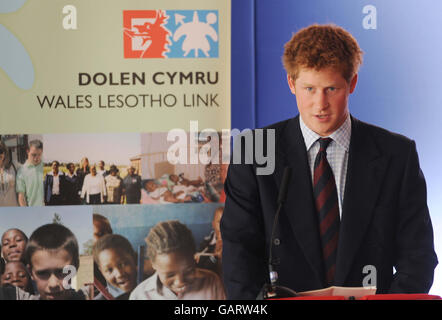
<point x="53" y="282"/>
<point x="321" y="100"/>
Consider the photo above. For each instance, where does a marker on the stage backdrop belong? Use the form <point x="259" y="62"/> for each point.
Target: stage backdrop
<point x="399" y="82"/>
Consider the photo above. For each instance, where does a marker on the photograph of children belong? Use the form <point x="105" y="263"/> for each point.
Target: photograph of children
<point x="116" y="262"/>
<point x="47" y="252"/>
<point x="91" y="169"/>
<point x="182" y="171"/>
<point x="162" y="241"/>
<point x="209" y="255"/>
<point x="21" y="170"/>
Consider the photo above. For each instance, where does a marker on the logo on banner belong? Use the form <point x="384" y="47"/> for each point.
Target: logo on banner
<point x="170" y="33"/>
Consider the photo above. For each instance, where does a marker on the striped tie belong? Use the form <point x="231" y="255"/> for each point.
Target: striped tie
<point x="326" y="199"/>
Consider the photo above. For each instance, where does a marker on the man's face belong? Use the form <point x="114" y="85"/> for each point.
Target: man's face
<point x="118" y="268"/>
<point x="13" y="245"/>
<point x="322" y="98"/>
<point x="47" y="272"/>
<point x="101" y="165"/>
<point x="34" y="155"/>
<point x="131" y="171"/>
<point x="175" y="270"/>
<point x="71" y="169"/>
<point x="54" y="167"/>
<point x="16" y="275"/>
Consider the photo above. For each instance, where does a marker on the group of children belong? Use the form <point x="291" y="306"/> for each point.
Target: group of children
<point x="171" y="252"/>
<point x="172" y="188"/>
<point x="35" y="267"/>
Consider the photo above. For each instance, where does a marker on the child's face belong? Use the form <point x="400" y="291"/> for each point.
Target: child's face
<point x="118" y="268"/>
<point x="175" y="270"/>
<point x="14" y="244"/>
<point x="151" y="186"/>
<point x="174" y="178"/>
<point x="16" y="275"/>
<point x="100" y="229"/>
<point x="47" y="272"/>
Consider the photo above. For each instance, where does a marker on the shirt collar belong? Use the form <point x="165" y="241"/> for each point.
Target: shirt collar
<point x="114" y="291"/>
<point x="51" y="173"/>
<point x="30" y="165"/>
<point x="154" y="284"/>
<point x="341" y="136"/>
<point x="160" y="289"/>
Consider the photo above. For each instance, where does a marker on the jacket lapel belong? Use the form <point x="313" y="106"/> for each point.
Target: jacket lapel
<point x="366" y="168"/>
<point x="299" y="205"/>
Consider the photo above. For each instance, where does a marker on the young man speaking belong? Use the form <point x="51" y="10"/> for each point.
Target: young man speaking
<point x="356" y="195"/>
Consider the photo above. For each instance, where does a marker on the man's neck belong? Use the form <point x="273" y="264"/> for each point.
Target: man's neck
<point x="29" y="162"/>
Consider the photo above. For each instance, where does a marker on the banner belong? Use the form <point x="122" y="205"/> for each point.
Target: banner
<point x="90" y="92"/>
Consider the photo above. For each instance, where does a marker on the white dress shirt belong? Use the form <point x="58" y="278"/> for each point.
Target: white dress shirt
<point x="337" y="153"/>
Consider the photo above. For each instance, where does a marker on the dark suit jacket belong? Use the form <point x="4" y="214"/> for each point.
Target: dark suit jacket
<point x="385" y="220"/>
<point x="48" y="184"/>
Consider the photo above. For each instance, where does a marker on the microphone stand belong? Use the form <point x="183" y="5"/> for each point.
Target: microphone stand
<point x="272" y="290"/>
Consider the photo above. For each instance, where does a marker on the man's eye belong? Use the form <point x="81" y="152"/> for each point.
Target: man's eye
<point x="60" y="274"/>
<point x="44" y="275"/>
<point x="331" y="89"/>
<point x="309" y="89"/>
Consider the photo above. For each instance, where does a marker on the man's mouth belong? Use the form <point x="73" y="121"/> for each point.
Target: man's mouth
<point x="322" y="116"/>
<point x="54" y="295"/>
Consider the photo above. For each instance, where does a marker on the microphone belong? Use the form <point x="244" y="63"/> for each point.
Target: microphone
<point x="271" y="290"/>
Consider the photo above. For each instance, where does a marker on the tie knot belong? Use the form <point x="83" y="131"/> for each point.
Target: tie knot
<point x="323" y="143"/>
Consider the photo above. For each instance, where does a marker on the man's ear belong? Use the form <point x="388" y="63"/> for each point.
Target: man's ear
<point x="353" y="82"/>
<point x="28" y="266"/>
<point x="291" y="83"/>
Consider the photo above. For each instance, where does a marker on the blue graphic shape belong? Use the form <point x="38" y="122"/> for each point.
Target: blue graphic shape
<point x="15" y="61"/>
<point x="7" y="6"/>
<point x="194" y="33"/>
